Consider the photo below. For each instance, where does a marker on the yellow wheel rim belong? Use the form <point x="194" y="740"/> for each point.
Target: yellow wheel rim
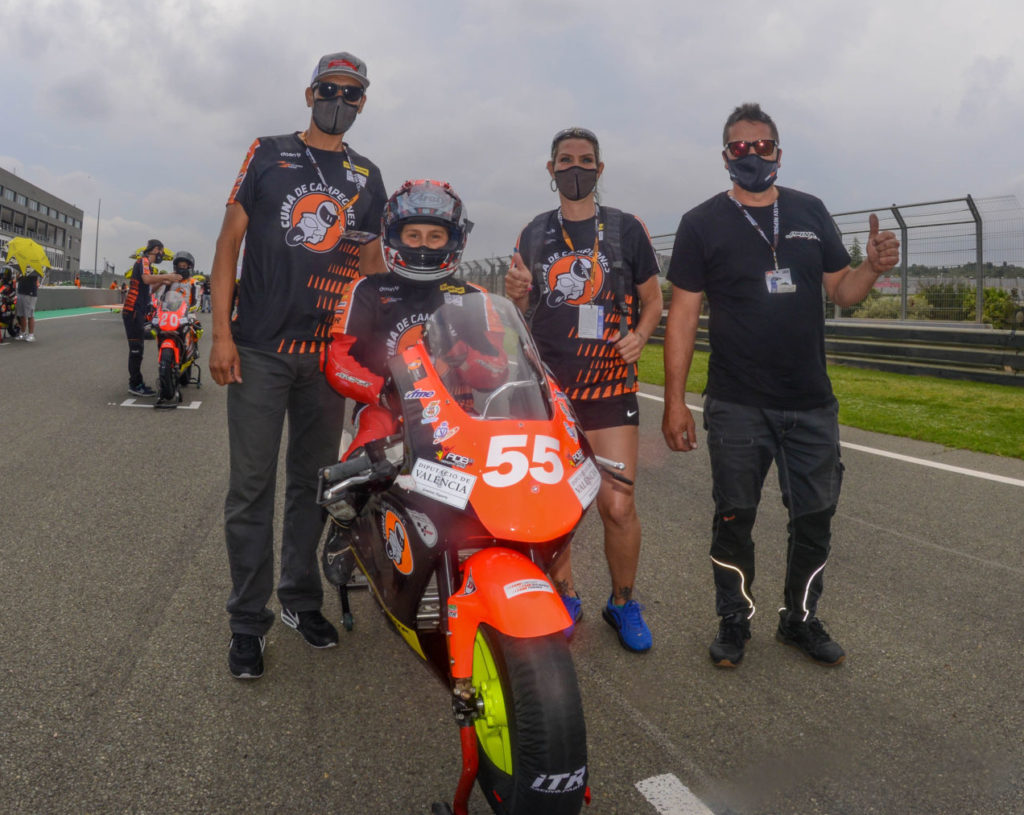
<point x="492" y="725"/>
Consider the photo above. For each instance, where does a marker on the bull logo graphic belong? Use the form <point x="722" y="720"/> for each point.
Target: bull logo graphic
<point x="317" y="223"/>
<point x="574" y="280"/>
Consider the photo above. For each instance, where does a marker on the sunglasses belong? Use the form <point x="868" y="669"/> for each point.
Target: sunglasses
<point x="763" y="147"/>
<point x="349" y="93"/>
<point x="572" y="133"/>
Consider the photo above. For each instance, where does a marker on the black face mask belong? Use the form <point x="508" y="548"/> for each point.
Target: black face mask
<point x="753" y="173"/>
<point x="334" y="116"/>
<point x="576" y="182"/>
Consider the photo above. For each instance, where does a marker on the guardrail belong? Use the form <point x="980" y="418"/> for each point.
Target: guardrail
<point x="53" y="298"/>
<point x="976" y="354"/>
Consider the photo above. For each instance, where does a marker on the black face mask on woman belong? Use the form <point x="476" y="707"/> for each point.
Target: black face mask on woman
<point x="334" y="116"/>
<point x="753" y="173"/>
<point x="576" y="182"/>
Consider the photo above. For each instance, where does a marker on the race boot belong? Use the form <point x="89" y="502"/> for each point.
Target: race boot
<point x="337" y="560"/>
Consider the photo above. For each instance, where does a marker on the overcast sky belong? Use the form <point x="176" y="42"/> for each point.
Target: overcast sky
<point x="150" y="105"/>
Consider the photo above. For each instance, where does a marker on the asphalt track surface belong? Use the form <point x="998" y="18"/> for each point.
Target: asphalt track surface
<point x="115" y="695"/>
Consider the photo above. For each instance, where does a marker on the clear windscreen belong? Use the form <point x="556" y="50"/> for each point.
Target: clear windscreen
<point x="172" y="300"/>
<point x="485" y="356"/>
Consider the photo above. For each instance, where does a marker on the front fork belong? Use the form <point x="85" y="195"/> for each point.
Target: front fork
<point x="465" y="707"/>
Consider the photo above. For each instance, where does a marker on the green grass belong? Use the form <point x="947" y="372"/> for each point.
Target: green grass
<point x="968" y="415"/>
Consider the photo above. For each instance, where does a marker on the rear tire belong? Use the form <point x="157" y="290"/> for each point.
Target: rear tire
<point x="168" y="375"/>
<point x="531" y="738"/>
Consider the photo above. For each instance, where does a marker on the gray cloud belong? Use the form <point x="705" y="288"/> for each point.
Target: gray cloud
<point x="151" y="105"/>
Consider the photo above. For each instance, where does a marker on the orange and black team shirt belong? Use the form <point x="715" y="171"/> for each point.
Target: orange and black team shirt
<point x="137" y="297"/>
<point x="572" y="290"/>
<point x="299" y="201"/>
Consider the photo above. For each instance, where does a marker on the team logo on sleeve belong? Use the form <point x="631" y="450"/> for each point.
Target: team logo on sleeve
<point x="314" y="220"/>
<point x="574" y="280"/>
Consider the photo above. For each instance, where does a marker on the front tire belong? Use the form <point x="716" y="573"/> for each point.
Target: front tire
<point x="531" y="737"/>
<point x="168" y="375"/>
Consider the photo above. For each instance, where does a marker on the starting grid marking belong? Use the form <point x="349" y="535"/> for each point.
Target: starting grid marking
<point x="133" y="403"/>
<point x="669" y="796"/>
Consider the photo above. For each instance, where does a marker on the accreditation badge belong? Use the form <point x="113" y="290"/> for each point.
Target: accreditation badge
<point x="779" y="281"/>
<point x="590" y="322"/>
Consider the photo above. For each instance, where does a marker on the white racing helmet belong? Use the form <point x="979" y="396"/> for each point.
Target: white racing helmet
<point x="424" y="201"/>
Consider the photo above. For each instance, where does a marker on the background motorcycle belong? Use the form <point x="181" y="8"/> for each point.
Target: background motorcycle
<point x="459" y="517"/>
<point x="8" y="303"/>
<point x="177" y="332"/>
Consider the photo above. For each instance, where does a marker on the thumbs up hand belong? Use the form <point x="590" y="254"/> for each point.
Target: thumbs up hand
<point x="518" y="279"/>
<point x="883" y="248"/>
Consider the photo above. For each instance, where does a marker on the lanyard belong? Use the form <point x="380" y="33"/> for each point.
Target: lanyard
<point x="344" y="158"/>
<point x="597" y="237"/>
<point x="772" y="244"/>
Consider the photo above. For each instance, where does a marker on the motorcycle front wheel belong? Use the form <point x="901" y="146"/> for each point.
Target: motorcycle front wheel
<point x="168" y="375"/>
<point x="531" y="738"/>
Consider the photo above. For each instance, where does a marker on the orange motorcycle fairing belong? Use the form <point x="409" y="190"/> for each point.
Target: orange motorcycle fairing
<point x="508" y="592"/>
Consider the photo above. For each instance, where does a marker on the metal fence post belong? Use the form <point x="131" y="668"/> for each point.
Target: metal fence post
<point x="979" y="245"/>
<point x="904" y="270"/>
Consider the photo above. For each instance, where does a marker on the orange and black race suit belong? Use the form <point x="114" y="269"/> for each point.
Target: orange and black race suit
<point x="377" y="318"/>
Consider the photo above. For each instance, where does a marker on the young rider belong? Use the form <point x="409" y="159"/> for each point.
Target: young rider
<point x="423" y="234"/>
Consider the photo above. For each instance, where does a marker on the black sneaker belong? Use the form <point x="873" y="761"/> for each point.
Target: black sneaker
<point x="142" y="389"/>
<point x="810" y="637"/>
<point x="245" y="656"/>
<point x="312" y="625"/>
<point x="733" y="632"/>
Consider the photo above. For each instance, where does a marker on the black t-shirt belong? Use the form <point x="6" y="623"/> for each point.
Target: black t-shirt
<point x="767" y="331"/>
<point x="566" y="280"/>
<point x="299" y="201"/>
<point x="28" y="285"/>
<point x="137" y="300"/>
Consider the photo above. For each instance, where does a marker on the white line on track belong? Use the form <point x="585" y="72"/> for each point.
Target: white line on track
<point x="669" y="796"/>
<point x="923" y="462"/>
<point x="133" y="403"/>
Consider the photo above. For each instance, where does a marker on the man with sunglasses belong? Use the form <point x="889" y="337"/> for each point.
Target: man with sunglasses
<point x="761" y="254"/>
<point x="299" y="203"/>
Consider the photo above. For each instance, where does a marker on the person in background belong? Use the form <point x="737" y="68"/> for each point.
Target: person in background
<point x="586" y="277"/>
<point x="293" y="201"/>
<point x="25" y="309"/>
<point x="136" y="309"/>
<point x="761" y="254"/>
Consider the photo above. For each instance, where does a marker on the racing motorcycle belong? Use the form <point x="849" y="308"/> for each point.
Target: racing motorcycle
<point x="454" y="521"/>
<point x="177" y="331"/>
<point x="8" y="309"/>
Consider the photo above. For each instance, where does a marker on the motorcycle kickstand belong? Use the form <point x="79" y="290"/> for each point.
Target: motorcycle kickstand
<point x="346" y="612"/>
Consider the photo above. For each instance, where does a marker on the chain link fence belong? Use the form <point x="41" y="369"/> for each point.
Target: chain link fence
<point x="961" y="261"/>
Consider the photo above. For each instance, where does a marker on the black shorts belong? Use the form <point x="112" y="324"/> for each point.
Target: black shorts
<point x="615" y="411"/>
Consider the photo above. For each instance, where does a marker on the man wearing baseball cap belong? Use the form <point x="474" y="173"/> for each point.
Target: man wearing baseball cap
<point x="296" y="203"/>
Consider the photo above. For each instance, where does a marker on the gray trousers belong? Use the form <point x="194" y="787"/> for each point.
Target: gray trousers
<point x="276" y="386"/>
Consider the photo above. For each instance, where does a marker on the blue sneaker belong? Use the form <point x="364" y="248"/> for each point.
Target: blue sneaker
<point x="629" y="624"/>
<point x="575" y="608"/>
